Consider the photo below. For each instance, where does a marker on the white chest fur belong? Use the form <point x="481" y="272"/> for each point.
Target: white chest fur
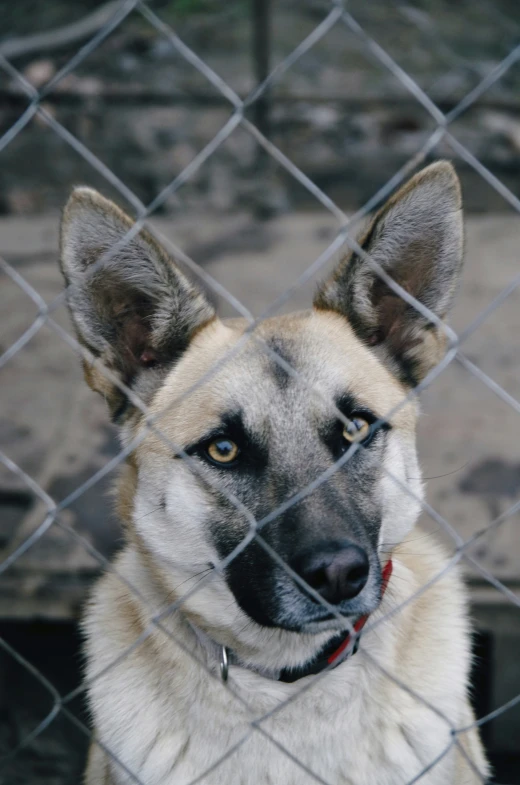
<point x="343" y="729"/>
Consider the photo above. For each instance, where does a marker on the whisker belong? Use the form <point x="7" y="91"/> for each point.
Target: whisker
<point x="147" y="513"/>
<point x="171" y="595"/>
<point x="438" y="476"/>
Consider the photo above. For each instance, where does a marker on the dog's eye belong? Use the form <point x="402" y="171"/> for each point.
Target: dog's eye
<point x="358" y="430"/>
<point x="222" y="451"/>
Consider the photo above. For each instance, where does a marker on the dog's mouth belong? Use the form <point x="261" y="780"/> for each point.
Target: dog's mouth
<point x="342" y="622"/>
<point x="323" y="620"/>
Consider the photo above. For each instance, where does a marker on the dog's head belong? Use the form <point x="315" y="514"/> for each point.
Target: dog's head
<point x="284" y="427"/>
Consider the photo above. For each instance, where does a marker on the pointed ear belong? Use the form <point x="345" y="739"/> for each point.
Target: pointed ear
<point x="131" y="307"/>
<point x="417" y="238"/>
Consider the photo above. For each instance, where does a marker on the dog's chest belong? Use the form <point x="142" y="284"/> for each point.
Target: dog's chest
<point x="327" y="737"/>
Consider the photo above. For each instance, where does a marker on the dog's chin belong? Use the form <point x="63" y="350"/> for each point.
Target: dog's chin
<point x="332" y="625"/>
<point x="318" y="622"/>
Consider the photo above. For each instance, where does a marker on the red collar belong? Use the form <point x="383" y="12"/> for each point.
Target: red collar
<point x="330" y="656"/>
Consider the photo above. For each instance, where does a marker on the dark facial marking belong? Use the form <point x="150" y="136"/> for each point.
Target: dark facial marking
<point x="344" y="508"/>
<point x="281" y="348"/>
<point x="268" y="471"/>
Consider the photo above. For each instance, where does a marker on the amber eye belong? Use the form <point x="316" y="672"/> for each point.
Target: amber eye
<point x="356" y="431"/>
<point x="222" y="450"/>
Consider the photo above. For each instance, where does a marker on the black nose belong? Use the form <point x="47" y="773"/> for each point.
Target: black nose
<point x="337" y="570"/>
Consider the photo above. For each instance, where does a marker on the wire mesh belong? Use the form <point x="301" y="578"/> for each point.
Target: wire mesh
<point x="336" y="16"/>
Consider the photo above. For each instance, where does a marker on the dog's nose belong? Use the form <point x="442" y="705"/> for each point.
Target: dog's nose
<point x="337" y="570"/>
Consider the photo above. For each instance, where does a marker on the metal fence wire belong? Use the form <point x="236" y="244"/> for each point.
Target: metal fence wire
<point x="337" y="15"/>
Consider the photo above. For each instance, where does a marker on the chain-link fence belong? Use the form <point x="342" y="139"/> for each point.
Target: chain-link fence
<point x="338" y="17"/>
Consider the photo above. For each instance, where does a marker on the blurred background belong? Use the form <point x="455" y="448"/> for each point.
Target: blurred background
<point x="350" y="112"/>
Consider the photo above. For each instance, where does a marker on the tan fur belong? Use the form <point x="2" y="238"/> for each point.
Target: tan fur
<point x="382" y="716"/>
<point x="185" y="409"/>
<point x="125" y="490"/>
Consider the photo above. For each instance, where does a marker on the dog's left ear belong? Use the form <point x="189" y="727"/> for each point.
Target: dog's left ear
<point x="131" y="305"/>
<point x="417" y="239"/>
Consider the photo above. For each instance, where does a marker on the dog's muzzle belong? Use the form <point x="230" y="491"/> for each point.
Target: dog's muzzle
<point x="339" y="649"/>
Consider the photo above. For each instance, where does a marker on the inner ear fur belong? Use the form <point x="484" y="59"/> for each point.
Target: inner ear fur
<point x="130" y="304"/>
<point x="417" y="239"/>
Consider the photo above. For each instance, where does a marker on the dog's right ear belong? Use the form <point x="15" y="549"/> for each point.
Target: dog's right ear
<point x="130" y="304"/>
<point x="416" y="239"/>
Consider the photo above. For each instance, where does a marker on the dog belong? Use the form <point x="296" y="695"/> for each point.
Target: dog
<point x="269" y="496"/>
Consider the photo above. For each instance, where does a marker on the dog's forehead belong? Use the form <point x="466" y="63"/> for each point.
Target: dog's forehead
<point x="291" y="366"/>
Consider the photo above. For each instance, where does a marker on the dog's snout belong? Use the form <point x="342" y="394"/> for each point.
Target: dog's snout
<point x="337" y="570"/>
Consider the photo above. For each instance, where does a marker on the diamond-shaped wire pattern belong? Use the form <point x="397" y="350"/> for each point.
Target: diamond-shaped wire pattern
<point x="336" y="16"/>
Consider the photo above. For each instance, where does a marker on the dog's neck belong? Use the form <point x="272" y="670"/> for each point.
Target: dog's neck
<point x="333" y="653"/>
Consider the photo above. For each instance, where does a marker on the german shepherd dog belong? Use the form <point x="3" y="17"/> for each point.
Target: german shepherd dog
<point x="236" y="425"/>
